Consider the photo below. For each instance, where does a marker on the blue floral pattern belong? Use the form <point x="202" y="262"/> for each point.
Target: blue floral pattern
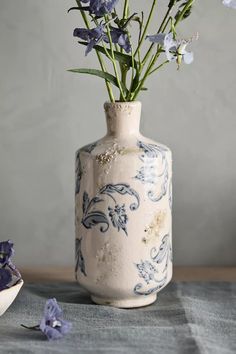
<point x="148" y="269"/>
<point x="118" y="216"/>
<point x="164" y="253"/>
<point x="148" y="173"/>
<point x="79" y="259"/>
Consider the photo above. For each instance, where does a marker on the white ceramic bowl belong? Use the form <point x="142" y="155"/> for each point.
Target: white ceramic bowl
<point x="7" y="296"/>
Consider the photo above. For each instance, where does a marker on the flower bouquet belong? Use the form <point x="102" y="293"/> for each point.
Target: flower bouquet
<point x="111" y="28"/>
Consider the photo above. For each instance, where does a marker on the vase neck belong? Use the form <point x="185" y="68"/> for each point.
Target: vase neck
<point x="123" y="118"/>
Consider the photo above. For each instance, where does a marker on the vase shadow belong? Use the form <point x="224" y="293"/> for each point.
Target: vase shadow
<point x="67" y="292"/>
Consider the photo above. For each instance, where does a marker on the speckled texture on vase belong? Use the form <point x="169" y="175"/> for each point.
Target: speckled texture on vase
<point x="123" y="213"/>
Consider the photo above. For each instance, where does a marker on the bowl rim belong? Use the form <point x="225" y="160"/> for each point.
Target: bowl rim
<point x="17" y="285"/>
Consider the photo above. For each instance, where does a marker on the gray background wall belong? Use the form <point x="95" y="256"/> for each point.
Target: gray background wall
<point x="46" y="113"/>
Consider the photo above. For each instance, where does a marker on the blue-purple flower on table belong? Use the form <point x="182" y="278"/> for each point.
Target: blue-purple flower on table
<point x="52" y="324"/>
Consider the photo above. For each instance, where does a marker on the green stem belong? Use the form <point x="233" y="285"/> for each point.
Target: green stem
<point x="149" y="70"/>
<point x="103" y="67"/>
<point x="160" y="29"/>
<point x="122" y="96"/>
<point x="158" y="67"/>
<point x="126" y="9"/>
<point x="139" y="37"/>
<point x="132" y="75"/>
<point x="185" y="9"/>
<point x="146" y="27"/>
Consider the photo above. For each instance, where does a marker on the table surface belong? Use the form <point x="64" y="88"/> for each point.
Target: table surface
<point x="188" y="317"/>
<point x="45" y="274"/>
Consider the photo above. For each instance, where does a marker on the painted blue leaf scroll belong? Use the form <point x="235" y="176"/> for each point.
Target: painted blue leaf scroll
<point x="138" y="289"/>
<point x="79" y="259"/>
<point x="78" y="166"/>
<point x="96" y="217"/>
<point x="149" y="272"/>
<point x="78" y="174"/>
<point x="121" y="188"/>
<point x="89" y="148"/>
<point x="148" y="174"/>
<point x="164" y="252"/>
<point x="117" y="214"/>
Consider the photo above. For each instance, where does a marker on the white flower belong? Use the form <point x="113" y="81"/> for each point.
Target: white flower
<point x="230" y="3"/>
<point x="175" y="50"/>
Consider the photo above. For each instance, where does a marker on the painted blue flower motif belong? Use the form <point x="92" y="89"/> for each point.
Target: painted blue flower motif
<point x="147" y="271"/>
<point x="92" y="216"/>
<point x="92" y="36"/>
<point x="52" y="324"/>
<point x="175" y="50"/>
<point x="119" y="217"/>
<point x="100" y="7"/>
<point x="230" y="3"/>
<point x="5" y="278"/>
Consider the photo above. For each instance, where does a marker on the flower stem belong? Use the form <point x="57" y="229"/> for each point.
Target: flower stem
<point x="34" y="328"/>
<point x="160" y="29"/>
<point x="126" y="9"/>
<point x="182" y="13"/>
<point x="163" y="26"/>
<point x="146" y="27"/>
<point x="158" y="67"/>
<point x="122" y="96"/>
<point x="108" y="85"/>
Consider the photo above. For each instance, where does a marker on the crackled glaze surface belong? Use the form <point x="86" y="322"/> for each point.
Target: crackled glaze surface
<point x="123" y="213"/>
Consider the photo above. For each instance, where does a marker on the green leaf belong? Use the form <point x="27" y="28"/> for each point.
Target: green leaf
<point x="80" y="8"/>
<point x="106" y="76"/>
<point x="122" y="58"/>
<point x="135" y="82"/>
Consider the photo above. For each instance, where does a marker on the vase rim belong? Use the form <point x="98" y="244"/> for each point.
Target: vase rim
<point x="108" y="104"/>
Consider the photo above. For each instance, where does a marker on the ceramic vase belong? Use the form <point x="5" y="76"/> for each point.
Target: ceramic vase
<point x="123" y="213"/>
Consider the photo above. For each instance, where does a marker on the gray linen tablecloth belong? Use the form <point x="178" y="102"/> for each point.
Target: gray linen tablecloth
<point x="187" y="318"/>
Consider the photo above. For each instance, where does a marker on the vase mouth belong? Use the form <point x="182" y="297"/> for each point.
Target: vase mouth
<point x="119" y="104"/>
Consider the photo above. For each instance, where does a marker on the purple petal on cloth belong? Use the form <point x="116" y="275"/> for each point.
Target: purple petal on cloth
<point x="6" y="252"/>
<point x="52" y="324"/>
<point x="230" y="3"/>
<point x="5" y="278"/>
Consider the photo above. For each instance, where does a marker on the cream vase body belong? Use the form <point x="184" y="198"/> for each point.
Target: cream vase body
<point x="123" y="213"/>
